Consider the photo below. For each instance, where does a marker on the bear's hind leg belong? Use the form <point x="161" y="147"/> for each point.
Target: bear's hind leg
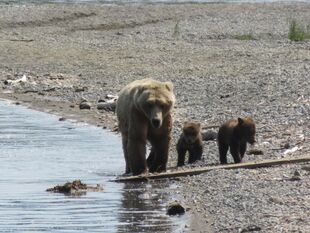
<point x="125" y="143"/>
<point x="223" y="148"/>
<point x="242" y="149"/>
<point x="234" y="150"/>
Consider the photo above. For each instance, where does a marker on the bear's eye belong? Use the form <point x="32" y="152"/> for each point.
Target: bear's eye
<point x="149" y="105"/>
<point x="163" y="106"/>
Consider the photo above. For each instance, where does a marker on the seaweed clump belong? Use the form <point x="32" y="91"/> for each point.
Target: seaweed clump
<point x="73" y="188"/>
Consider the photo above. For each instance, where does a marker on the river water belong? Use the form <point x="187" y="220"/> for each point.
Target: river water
<point x="38" y="151"/>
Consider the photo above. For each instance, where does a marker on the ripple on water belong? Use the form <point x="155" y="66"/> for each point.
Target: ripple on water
<point x="38" y="151"/>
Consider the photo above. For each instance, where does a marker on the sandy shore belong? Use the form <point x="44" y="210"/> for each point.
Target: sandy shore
<point x="78" y="51"/>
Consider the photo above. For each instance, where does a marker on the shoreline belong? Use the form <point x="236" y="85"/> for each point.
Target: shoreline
<point x="74" y="52"/>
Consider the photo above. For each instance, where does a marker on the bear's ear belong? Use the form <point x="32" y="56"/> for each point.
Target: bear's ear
<point x="240" y="121"/>
<point x="169" y="86"/>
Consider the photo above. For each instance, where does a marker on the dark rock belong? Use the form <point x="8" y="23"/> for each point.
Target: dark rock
<point x="80" y="89"/>
<point x="209" y="135"/>
<point x="223" y="96"/>
<point x="251" y="228"/>
<point x="296" y="176"/>
<point x="286" y="146"/>
<point x="62" y="119"/>
<point x="175" y="208"/>
<point x="85" y="105"/>
<point x="255" y="152"/>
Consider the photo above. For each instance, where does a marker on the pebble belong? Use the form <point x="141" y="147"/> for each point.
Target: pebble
<point x="296" y="176"/>
<point x="62" y="119"/>
<point x="85" y="105"/>
<point x="175" y="208"/>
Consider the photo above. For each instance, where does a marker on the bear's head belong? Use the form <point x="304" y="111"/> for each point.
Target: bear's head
<point x="155" y="100"/>
<point x="247" y="129"/>
<point x="191" y="132"/>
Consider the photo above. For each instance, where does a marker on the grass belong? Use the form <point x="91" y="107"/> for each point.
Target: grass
<point x="297" y="32"/>
<point x="244" y="37"/>
<point x="176" y="30"/>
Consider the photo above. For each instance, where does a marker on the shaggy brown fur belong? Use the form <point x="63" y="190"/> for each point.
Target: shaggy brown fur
<point x="143" y="112"/>
<point x="191" y="141"/>
<point x="235" y="134"/>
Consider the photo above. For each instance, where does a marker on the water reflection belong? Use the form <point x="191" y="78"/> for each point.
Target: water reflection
<point x="144" y="207"/>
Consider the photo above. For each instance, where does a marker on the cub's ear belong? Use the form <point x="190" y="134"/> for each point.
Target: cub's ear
<point x="169" y="86"/>
<point x="198" y="124"/>
<point x="240" y="121"/>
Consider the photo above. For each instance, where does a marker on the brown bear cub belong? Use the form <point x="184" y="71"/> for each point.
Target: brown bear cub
<point x="191" y="141"/>
<point x="235" y="134"/>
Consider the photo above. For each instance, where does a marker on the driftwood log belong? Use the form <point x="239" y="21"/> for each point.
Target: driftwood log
<point x="199" y="170"/>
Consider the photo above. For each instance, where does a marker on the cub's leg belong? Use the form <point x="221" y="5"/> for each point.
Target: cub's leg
<point x="195" y="154"/>
<point x="242" y="149"/>
<point x="234" y="150"/>
<point x="223" y="148"/>
<point x="181" y="155"/>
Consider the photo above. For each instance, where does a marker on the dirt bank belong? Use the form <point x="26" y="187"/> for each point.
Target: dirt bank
<point x="72" y="52"/>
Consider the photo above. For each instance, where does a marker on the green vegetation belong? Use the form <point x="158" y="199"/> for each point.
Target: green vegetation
<point x="176" y="31"/>
<point x="244" y="37"/>
<point x="297" y="32"/>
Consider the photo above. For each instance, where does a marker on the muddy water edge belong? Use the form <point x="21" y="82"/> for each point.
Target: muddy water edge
<point x="39" y="151"/>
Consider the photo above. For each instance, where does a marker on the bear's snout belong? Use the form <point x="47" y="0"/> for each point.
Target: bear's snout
<point x="156" y="123"/>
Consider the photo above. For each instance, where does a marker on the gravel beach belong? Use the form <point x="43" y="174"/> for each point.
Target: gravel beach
<point x="69" y="53"/>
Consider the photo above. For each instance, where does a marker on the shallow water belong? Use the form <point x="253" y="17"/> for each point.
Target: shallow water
<point x="38" y="152"/>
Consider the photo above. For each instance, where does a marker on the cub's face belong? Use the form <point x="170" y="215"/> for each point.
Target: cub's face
<point x="156" y="104"/>
<point x="248" y="129"/>
<point x="191" y="132"/>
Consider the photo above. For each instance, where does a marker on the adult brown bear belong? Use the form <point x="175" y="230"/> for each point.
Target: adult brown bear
<point x="144" y="114"/>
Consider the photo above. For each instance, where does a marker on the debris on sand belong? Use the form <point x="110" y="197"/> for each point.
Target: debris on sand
<point x="107" y="106"/>
<point x="289" y="151"/>
<point x="175" y="208"/>
<point x="255" y="152"/>
<point x="23" y="79"/>
<point x="75" y="188"/>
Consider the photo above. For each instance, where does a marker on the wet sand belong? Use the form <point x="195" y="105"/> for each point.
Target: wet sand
<point x="72" y="52"/>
